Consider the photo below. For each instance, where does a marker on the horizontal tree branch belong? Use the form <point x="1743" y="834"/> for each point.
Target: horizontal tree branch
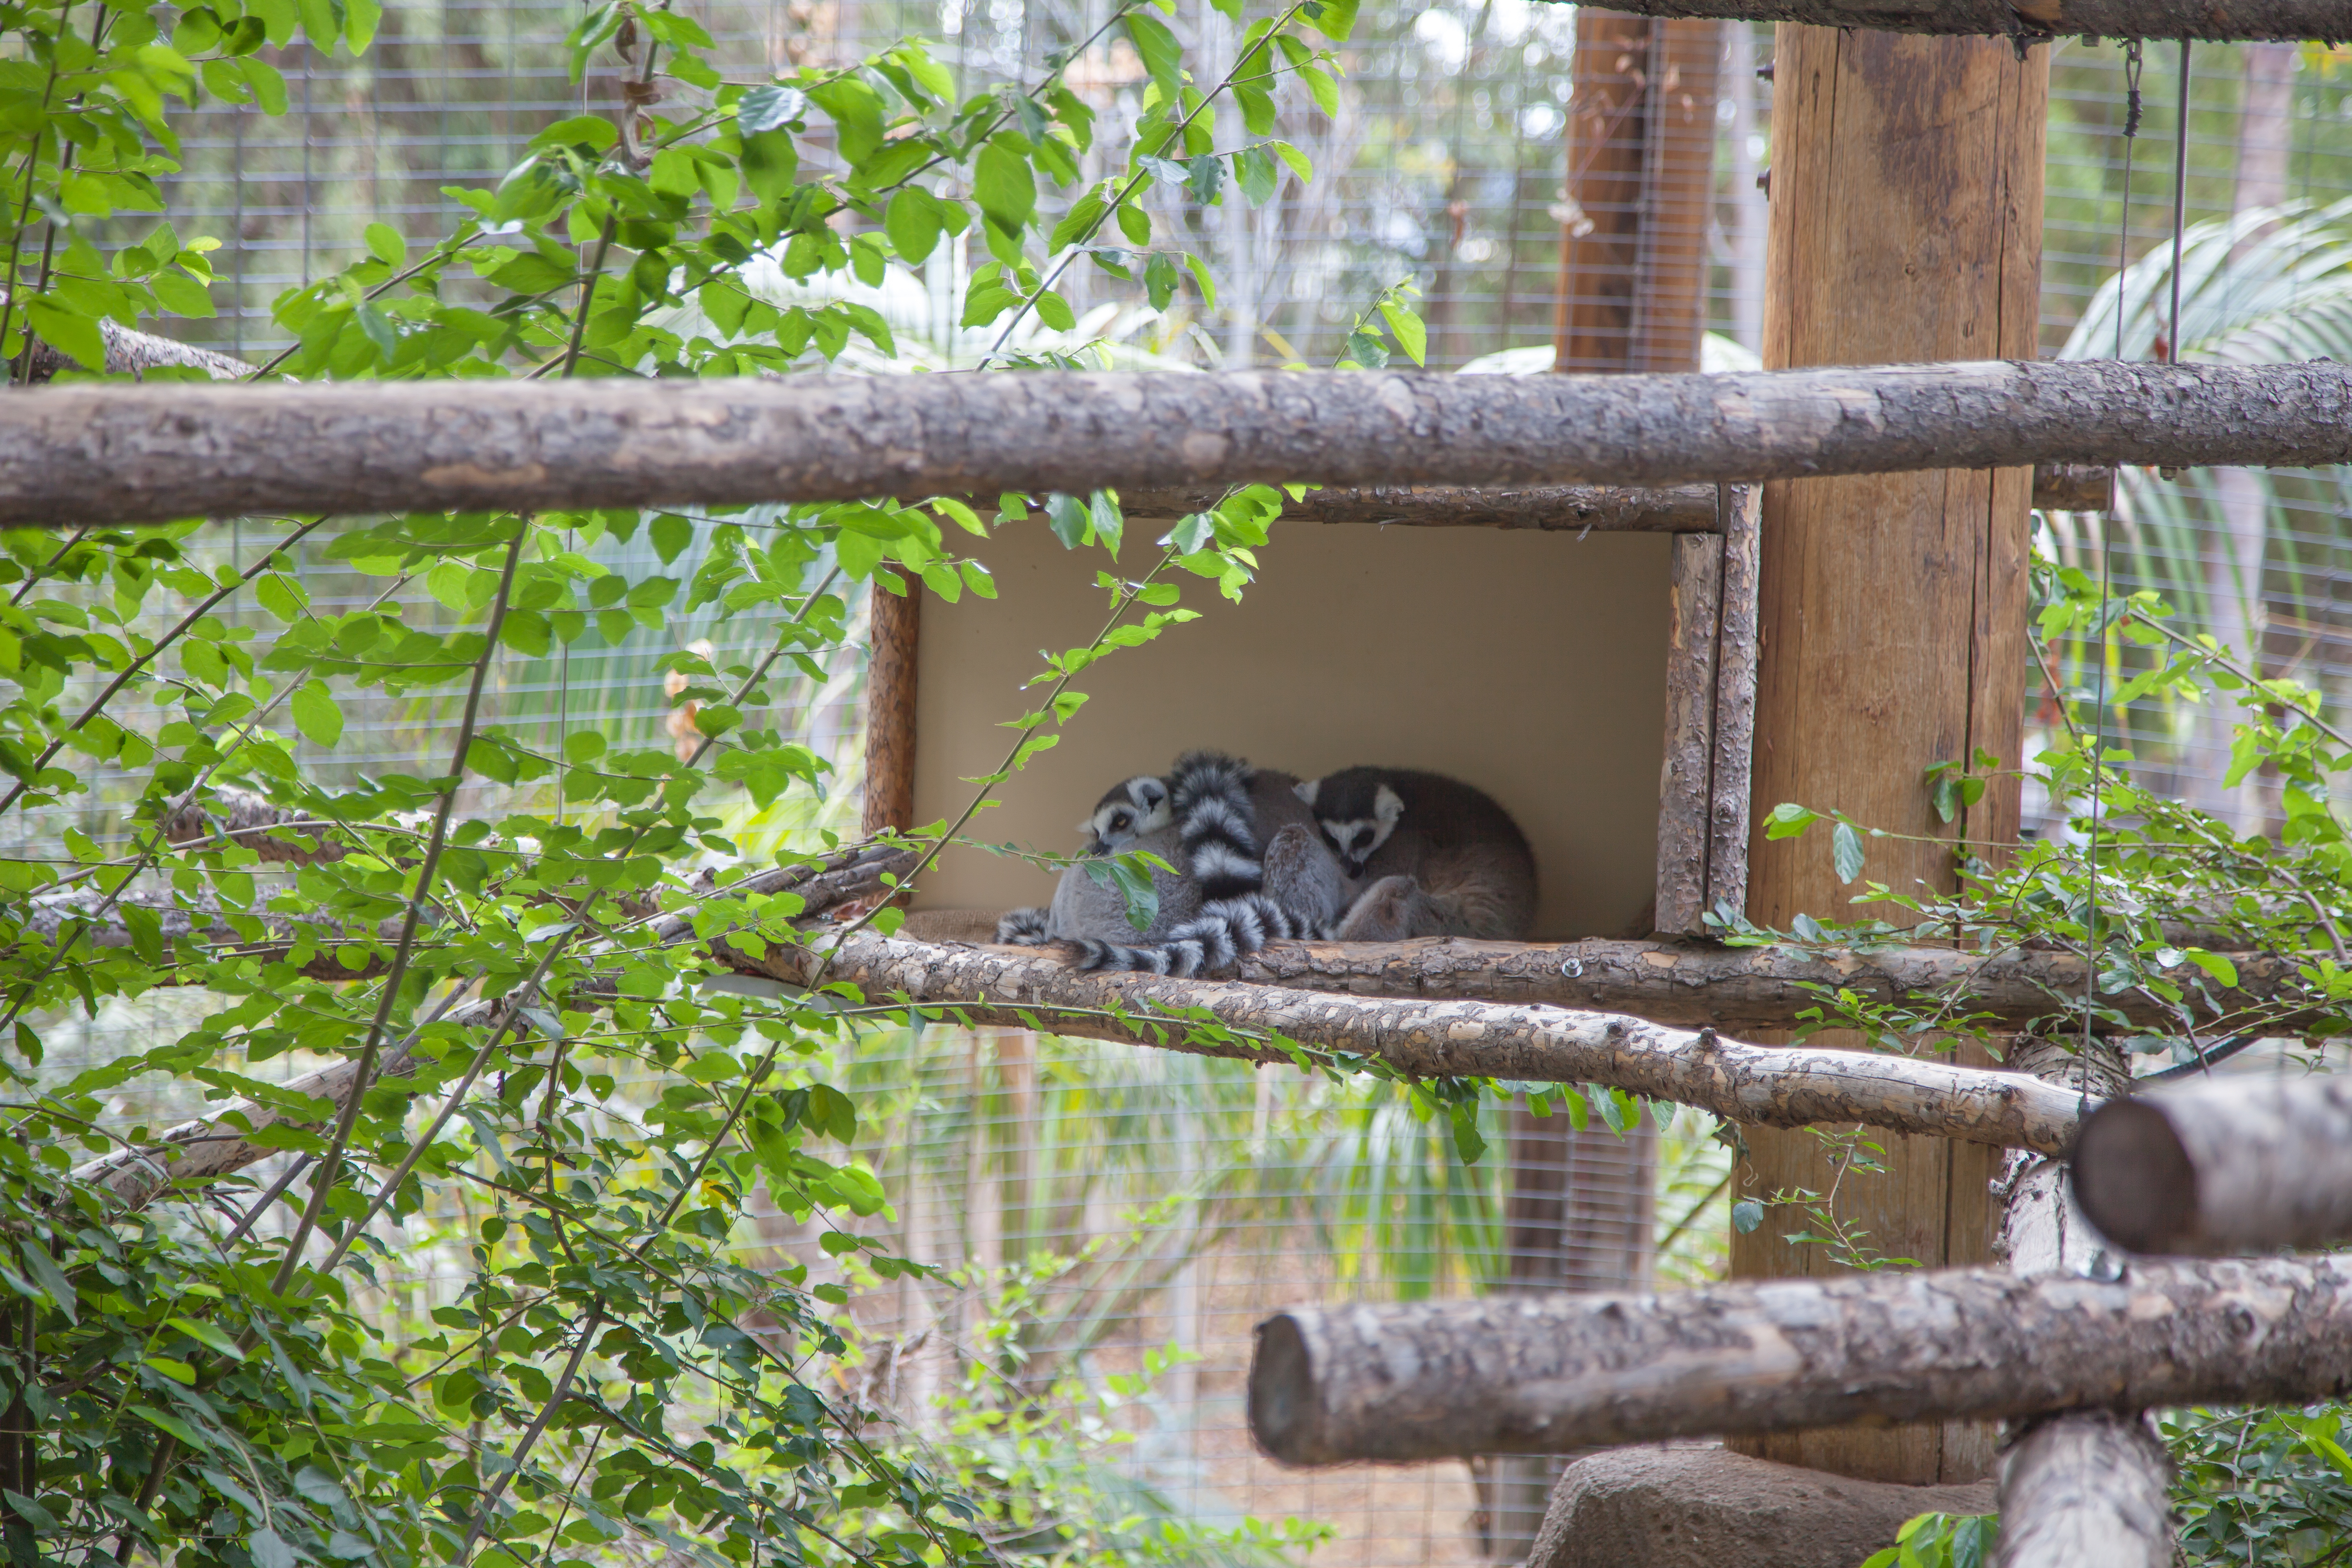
<point x="46" y="919"/>
<point x="129" y="353"/>
<point x="228" y="1140"/>
<point x="2204" y="20"/>
<point x="1554" y="1373"/>
<point x="1778" y="1086"/>
<point x="1735" y="987"/>
<point x="2222" y="1164"/>
<point x="73" y="454"/>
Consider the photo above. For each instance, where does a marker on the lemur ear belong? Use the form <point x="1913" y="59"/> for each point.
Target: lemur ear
<point x="1147" y="792"/>
<point x="1387" y="806"/>
<point x="1305" y="789"/>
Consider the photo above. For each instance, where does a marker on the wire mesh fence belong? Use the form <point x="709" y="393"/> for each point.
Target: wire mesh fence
<point x="1140" y="1204"/>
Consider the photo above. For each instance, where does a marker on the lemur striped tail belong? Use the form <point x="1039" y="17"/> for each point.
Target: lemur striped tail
<point x="1209" y="797"/>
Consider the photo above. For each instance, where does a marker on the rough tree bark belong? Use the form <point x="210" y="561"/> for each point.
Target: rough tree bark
<point x="2084" y="1487"/>
<point x="1684" y="983"/>
<point x="1907" y="171"/>
<point x="2221" y="1166"/>
<point x="134" y="353"/>
<point x="2086" y="1490"/>
<point x="1014" y="987"/>
<point x="1776" y="1086"/>
<point x="1446" y="1379"/>
<point x="120" y="454"/>
<point x="2205" y="20"/>
<point x="1729" y="987"/>
<point x="1610" y="509"/>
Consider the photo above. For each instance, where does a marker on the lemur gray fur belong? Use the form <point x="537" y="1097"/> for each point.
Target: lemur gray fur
<point x="1433" y="856"/>
<point x="1130" y="815"/>
<point x="1208" y="817"/>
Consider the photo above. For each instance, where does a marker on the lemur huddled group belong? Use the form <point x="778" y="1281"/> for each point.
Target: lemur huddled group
<point x="1368" y="854"/>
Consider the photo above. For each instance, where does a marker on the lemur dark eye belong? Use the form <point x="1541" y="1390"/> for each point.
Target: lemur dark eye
<point x="1362" y="843"/>
<point x="1119" y="819"/>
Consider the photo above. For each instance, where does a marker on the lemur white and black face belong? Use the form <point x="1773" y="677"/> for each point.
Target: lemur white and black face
<point x="1125" y="815"/>
<point x="1357" y="825"/>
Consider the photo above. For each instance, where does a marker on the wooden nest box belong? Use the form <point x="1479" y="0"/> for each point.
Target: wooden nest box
<point x="1585" y="655"/>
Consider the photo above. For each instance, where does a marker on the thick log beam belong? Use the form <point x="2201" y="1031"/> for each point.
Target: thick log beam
<point x="2204" y="20"/>
<point x="1553" y="1373"/>
<point x="2222" y="1164"/>
<point x="119" y="454"/>
<point x="1695" y="984"/>
<point x="1774" y="1086"/>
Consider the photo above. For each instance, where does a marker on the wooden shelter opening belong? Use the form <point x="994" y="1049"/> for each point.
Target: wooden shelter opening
<point x="1559" y="649"/>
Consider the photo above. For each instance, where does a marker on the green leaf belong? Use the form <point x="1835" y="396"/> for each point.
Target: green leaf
<point x="1054" y="311"/>
<point x="1163" y="57"/>
<point x="770" y="108"/>
<point x="1845" y="851"/>
<point x="315" y="714"/>
<point x="2213" y="963"/>
<point x="912" y="222"/>
<point x="1159" y="280"/>
<point x="1003" y="185"/>
<point x="1253" y="171"/>
<point x="1106" y="522"/>
<point x="771" y="164"/>
<point x="50" y="1277"/>
<point x="1069" y="518"/>
<point x="1746" y="1215"/>
<point x="75" y="335"/>
<point x="670" y="534"/>
<point x="383" y="243"/>
<point x="1406" y="327"/>
<point x="1335" y="18"/>
<point x="182" y="295"/>
<point x="1789" y="820"/>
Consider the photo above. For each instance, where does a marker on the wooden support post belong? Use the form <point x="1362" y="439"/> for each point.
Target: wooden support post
<point x="1641" y="148"/>
<point x="1641" y="156"/>
<point x="1906" y="224"/>
<point x="894" y="622"/>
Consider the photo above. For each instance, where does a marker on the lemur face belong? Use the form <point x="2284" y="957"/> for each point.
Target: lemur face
<point x="1125" y="815"/>
<point x="1355" y="832"/>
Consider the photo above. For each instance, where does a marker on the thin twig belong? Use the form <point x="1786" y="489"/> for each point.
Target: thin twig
<point x="331" y="1162"/>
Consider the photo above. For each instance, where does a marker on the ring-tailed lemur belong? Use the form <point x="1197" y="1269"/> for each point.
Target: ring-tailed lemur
<point x="1208" y="816"/>
<point x="1441" y="858"/>
<point x="1128" y="812"/>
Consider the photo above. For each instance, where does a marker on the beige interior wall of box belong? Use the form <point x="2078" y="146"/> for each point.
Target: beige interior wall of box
<point x="1568" y="671"/>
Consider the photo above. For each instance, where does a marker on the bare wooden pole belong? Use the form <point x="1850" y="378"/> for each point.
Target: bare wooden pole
<point x="1905" y="224"/>
<point x="2221" y="1166"/>
<point x="125" y="454"/>
<point x="894" y="623"/>
<point x="1554" y="1373"/>
<point x="2079" y="1486"/>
